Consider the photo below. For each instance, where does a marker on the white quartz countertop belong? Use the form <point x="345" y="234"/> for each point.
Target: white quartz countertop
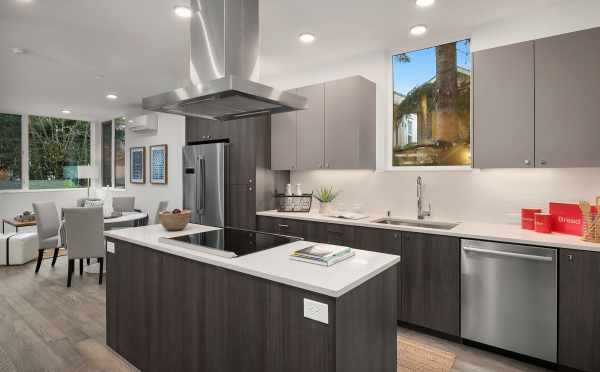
<point x="272" y="264"/>
<point x="507" y="233"/>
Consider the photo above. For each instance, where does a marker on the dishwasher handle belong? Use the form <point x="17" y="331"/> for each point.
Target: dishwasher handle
<point x="509" y="254"/>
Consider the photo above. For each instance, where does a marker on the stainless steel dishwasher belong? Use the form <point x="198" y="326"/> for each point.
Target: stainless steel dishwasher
<point x="509" y="297"/>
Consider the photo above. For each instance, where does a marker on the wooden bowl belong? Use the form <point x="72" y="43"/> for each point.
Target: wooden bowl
<point x="175" y="221"/>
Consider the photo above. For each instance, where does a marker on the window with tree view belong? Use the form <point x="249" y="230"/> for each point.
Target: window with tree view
<point x="56" y="148"/>
<point x="432" y="115"/>
<point x="10" y="151"/>
<point x="119" y="153"/>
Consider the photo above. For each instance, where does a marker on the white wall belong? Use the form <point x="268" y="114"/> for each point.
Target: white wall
<point x="171" y="131"/>
<point x="455" y="195"/>
<point x="564" y="17"/>
<point x="13" y="203"/>
<point x="487" y="195"/>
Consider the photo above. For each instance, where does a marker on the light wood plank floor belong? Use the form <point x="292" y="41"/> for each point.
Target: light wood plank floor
<point x="45" y="326"/>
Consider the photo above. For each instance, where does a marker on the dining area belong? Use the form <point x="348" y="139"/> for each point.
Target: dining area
<point x="75" y="232"/>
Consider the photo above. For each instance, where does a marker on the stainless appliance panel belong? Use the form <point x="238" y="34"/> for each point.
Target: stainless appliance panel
<point x="509" y="297"/>
<point x="224" y="67"/>
<point x="204" y="182"/>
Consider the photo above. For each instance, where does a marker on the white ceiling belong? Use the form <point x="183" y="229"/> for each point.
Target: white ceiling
<point x="80" y="50"/>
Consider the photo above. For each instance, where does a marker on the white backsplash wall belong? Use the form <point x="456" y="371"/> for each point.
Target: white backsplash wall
<point x="171" y="131"/>
<point x="487" y="195"/>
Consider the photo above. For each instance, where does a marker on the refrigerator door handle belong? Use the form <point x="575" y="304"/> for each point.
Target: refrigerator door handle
<point x="201" y="185"/>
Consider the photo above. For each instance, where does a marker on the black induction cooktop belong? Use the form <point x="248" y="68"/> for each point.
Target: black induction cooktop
<point x="231" y="242"/>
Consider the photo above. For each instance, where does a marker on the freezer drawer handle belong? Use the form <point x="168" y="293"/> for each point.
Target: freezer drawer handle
<point x="509" y="254"/>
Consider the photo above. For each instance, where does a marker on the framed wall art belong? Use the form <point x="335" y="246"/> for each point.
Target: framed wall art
<point x="159" y="164"/>
<point x="137" y="172"/>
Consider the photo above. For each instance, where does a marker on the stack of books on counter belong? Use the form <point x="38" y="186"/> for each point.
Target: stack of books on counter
<point x="322" y="254"/>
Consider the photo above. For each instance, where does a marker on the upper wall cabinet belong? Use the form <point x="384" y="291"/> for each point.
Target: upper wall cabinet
<point x="567" y="97"/>
<point x="503" y="111"/>
<point x="336" y="131"/>
<point x="284" y="139"/>
<point x="311" y="125"/>
<point x="350" y="124"/>
<point x="535" y="103"/>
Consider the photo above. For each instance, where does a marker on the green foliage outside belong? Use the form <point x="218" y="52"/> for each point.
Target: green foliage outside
<point x="55" y="147"/>
<point x="10" y="151"/>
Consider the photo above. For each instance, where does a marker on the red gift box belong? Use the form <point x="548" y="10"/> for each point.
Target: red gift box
<point x="567" y="218"/>
<point x="527" y="220"/>
<point x="543" y="223"/>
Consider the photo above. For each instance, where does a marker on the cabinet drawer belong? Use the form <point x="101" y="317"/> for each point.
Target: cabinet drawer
<point x="289" y="227"/>
<point x="340" y="235"/>
<point x="281" y="226"/>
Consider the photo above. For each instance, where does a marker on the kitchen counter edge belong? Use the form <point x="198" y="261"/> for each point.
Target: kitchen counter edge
<point x="505" y="233"/>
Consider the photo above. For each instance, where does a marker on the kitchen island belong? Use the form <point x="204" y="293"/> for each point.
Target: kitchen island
<point x="173" y="308"/>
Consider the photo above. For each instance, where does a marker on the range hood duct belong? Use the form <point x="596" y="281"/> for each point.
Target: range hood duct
<point x="224" y="67"/>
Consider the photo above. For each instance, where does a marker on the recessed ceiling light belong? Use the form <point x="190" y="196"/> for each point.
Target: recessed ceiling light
<point x="18" y="51"/>
<point x="183" y="11"/>
<point x="306" y="38"/>
<point x="111" y="96"/>
<point x="65" y="111"/>
<point x="130" y="121"/>
<point x="418" y="30"/>
<point x="424" y="3"/>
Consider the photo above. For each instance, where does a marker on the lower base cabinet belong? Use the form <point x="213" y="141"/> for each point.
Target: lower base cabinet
<point x="175" y="314"/>
<point x="579" y="310"/>
<point x="428" y="273"/>
<point x="430" y="282"/>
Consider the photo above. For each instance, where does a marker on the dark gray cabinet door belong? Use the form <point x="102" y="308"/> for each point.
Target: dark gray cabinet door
<point x="503" y="107"/>
<point x="567" y="80"/>
<point x="430" y="282"/>
<point x="579" y="309"/>
<point x="197" y="129"/>
<point x="242" y="149"/>
<point x="242" y="206"/>
<point x="311" y="128"/>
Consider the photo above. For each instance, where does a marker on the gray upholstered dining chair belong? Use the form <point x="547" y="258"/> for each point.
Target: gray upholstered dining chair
<point x="162" y="206"/>
<point x="84" y="237"/>
<point x="48" y="225"/>
<point x="123" y="204"/>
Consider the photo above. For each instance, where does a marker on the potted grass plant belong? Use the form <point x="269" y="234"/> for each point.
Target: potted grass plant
<point x="326" y="196"/>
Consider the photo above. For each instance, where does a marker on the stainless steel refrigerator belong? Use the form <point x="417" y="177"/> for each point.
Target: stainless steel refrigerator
<point x="205" y="169"/>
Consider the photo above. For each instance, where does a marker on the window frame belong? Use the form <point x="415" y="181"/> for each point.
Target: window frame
<point x="113" y="162"/>
<point x="389" y="114"/>
<point x="25" y="156"/>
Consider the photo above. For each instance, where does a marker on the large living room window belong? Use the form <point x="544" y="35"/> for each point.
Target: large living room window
<point x="56" y="148"/>
<point x="10" y="152"/>
<point x="113" y="153"/>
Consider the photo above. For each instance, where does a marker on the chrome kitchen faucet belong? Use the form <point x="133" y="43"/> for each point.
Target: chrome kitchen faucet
<point x="421" y="214"/>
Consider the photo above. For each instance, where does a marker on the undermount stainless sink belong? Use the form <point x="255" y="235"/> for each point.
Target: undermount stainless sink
<point x="417" y="223"/>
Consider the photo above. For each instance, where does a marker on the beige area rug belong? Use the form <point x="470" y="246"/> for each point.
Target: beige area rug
<point x="416" y="357"/>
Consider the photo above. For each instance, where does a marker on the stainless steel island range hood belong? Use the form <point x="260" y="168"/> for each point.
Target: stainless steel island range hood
<point x="224" y="62"/>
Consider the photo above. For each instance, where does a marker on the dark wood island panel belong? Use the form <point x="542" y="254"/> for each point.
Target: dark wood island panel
<point x="165" y="312"/>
